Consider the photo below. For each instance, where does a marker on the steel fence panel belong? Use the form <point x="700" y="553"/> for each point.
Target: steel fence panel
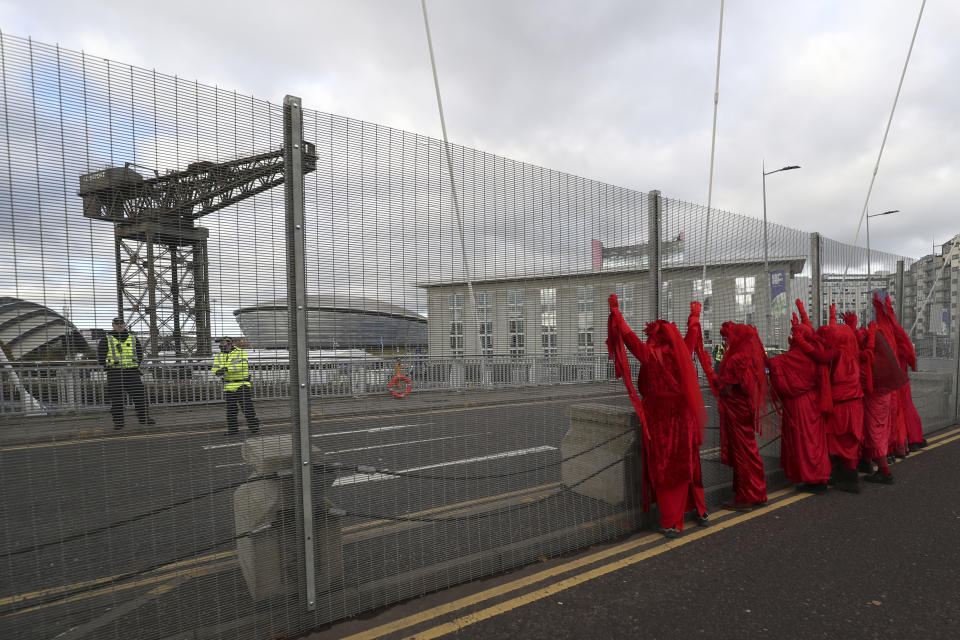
<point x="464" y="418"/>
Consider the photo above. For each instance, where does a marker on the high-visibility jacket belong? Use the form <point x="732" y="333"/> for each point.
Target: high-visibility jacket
<point x="122" y="354"/>
<point x="236" y="370"/>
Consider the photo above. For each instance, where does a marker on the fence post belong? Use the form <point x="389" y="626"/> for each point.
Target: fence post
<point x="654" y="220"/>
<point x="816" y="303"/>
<point x="297" y="336"/>
<point x="898" y="290"/>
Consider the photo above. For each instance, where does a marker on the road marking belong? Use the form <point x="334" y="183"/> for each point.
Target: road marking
<point x="375" y="446"/>
<point x="192" y="572"/>
<point x="208" y="447"/>
<point x="228" y="554"/>
<point x="401" y="444"/>
<point x="513" y="585"/>
<point x="372" y="416"/>
<point x="668" y="545"/>
<point x="89" y="583"/>
<point x="371" y="430"/>
<point x="377" y="477"/>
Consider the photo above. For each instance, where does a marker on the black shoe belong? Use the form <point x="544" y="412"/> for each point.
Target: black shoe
<point x="922" y="443"/>
<point x="879" y="477"/>
<point x="703" y="519"/>
<point x="671" y="532"/>
<point x="865" y="467"/>
<point x="913" y="446"/>
<point x="891" y="459"/>
<point x="760" y="504"/>
<point x="900" y="456"/>
<point x="814" y="487"/>
<point x="850" y="482"/>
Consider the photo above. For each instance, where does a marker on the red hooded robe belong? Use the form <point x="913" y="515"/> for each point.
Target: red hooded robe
<point x="845" y="423"/>
<point x="740" y="387"/>
<point x="803" y="388"/>
<point x="906" y="357"/>
<point x="671" y="412"/>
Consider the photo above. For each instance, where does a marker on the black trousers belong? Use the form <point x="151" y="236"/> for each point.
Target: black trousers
<point x="235" y="400"/>
<point x="125" y="381"/>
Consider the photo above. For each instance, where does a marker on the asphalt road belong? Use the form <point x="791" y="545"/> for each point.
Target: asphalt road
<point x="53" y="491"/>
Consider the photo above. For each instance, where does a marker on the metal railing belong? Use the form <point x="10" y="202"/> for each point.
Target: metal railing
<point x="76" y="386"/>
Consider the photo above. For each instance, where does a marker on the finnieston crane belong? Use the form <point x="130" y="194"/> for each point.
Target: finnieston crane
<point x="163" y="287"/>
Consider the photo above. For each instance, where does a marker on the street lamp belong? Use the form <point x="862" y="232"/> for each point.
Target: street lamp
<point x="766" y="253"/>
<point x="885" y="213"/>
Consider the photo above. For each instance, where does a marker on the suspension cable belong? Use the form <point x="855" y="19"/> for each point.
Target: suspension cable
<point x="883" y="142"/>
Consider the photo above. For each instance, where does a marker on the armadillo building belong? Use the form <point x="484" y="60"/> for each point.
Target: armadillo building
<point x="30" y="331"/>
<point x="336" y="322"/>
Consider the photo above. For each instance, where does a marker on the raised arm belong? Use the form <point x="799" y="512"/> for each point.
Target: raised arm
<point x="817" y="351"/>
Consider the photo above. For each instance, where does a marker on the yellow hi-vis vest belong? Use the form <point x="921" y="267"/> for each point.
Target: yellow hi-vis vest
<point x="237" y="372"/>
<point x="122" y="355"/>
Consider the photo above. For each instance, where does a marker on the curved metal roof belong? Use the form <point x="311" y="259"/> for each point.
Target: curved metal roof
<point x="341" y="303"/>
<point x="27" y="326"/>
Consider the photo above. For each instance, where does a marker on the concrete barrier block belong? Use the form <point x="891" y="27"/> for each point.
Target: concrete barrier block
<point x="269" y="454"/>
<point x="269" y="558"/>
<point x="590" y="425"/>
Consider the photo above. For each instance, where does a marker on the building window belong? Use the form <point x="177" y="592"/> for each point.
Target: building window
<point x="744" y="289"/>
<point x="485" y="322"/>
<point x="585" y="320"/>
<point x="515" y="322"/>
<point x="625" y="294"/>
<point x="456" y="324"/>
<point x="548" y="321"/>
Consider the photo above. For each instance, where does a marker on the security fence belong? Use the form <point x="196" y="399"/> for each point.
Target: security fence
<point x="430" y="397"/>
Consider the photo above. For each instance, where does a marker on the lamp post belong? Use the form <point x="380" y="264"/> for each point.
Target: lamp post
<point x="766" y="251"/>
<point x="873" y="215"/>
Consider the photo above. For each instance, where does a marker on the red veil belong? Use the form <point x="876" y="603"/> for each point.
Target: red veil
<point x="743" y="344"/>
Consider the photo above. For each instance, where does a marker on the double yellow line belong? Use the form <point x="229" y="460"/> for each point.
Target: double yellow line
<point x="555" y="587"/>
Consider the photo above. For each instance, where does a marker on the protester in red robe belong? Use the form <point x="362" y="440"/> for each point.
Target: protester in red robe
<point x="740" y="386"/>
<point x="672" y="413"/>
<point x="844" y="424"/>
<point x="803" y="389"/>
<point x="881" y="377"/>
<point x="898" y="421"/>
<point x="906" y="357"/>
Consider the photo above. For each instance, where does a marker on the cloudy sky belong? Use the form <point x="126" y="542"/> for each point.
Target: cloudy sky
<point x="616" y="91"/>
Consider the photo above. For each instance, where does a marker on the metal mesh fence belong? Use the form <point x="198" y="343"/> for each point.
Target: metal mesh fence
<point x="462" y="416"/>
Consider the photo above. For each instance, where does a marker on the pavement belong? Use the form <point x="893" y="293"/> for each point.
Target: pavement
<point x="880" y="564"/>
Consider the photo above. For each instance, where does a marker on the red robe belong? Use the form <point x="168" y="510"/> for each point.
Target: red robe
<point x="906" y="357"/>
<point x="881" y="378"/>
<point x="671" y="412"/>
<point x="902" y="398"/>
<point x="741" y="390"/>
<point x="803" y="388"/>
<point x="844" y="425"/>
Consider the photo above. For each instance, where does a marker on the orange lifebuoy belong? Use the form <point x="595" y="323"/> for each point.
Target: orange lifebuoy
<point x="406" y="389"/>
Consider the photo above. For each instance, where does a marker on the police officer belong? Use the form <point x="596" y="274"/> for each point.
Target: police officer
<point x="121" y="354"/>
<point x="231" y="365"/>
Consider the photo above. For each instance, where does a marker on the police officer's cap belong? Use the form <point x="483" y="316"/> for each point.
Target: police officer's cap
<point x="118" y="320"/>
